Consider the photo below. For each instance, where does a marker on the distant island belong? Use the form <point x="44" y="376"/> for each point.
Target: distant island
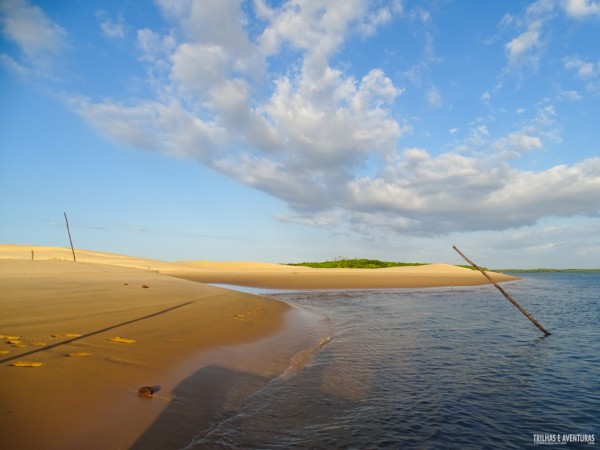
<point x="362" y="263"/>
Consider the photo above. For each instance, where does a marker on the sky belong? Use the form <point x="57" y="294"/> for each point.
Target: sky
<point x="287" y="131"/>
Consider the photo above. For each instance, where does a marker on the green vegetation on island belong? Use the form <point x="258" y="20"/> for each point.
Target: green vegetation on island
<point x="360" y="263"/>
<point x="354" y="264"/>
<point x="363" y="263"/>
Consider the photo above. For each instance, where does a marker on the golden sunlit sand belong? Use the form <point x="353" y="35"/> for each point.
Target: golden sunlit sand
<point x="79" y="339"/>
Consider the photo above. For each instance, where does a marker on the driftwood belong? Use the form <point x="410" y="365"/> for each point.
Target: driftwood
<point x="508" y="297"/>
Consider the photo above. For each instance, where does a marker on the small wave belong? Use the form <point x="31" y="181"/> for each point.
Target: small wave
<point x="224" y="434"/>
<point x="303" y="357"/>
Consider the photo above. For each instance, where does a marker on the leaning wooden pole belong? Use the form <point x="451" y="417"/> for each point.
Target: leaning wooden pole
<point x="509" y="298"/>
<point x="70" y="240"/>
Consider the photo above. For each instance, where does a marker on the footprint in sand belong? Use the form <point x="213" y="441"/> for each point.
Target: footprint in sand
<point x="122" y="361"/>
<point x="242" y="318"/>
<point x="15" y="341"/>
<point x="35" y="341"/>
<point x="65" y="335"/>
<point x="27" y="364"/>
<point x="122" y="340"/>
<point x="7" y="338"/>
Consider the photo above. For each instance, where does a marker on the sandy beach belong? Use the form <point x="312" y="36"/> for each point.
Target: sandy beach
<point x="206" y="348"/>
<point x="79" y="340"/>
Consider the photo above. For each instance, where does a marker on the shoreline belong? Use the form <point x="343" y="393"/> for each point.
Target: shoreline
<point x="205" y="349"/>
<point x="207" y="355"/>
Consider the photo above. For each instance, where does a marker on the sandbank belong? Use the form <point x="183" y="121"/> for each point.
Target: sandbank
<point x="274" y="276"/>
<point x="202" y="348"/>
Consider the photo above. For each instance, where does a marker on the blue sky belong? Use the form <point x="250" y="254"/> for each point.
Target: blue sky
<point x="304" y="130"/>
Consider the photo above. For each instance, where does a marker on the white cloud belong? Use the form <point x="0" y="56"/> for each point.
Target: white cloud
<point x="518" y="143"/>
<point x="165" y="128"/>
<point x="381" y="16"/>
<point x="581" y="9"/>
<point x="434" y="98"/>
<point x="113" y="29"/>
<point x="584" y="69"/>
<point x="316" y="124"/>
<point x="12" y="65"/>
<point x="302" y="134"/>
<point x="571" y="96"/>
<point x="214" y="23"/>
<point x="451" y="192"/>
<point x="28" y="26"/>
<point x="521" y="48"/>
<point x="525" y="50"/>
<point x="155" y="48"/>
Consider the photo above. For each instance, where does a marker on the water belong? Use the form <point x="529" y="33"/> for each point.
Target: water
<point x="436" y="368"/>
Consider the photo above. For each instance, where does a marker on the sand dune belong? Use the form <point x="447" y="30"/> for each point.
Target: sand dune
<point x="273" y="276"/>
<point x="42" y="253"/>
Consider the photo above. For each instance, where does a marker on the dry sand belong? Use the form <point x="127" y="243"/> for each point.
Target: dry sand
<point x="273" y="276"/>
<point x="207" y="348"/>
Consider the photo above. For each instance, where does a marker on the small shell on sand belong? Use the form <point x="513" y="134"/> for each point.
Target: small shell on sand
<point x="146" y="392"/>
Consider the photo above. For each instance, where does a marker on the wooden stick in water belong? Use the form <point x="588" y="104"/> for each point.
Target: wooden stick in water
<point x="509" y="298"/>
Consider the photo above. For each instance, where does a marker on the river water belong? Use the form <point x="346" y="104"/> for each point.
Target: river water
<point x="436" y="368"/>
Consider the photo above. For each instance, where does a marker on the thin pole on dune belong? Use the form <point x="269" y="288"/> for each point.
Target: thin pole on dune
<point x="508" y="297"/>
<point x="70" y="240"/>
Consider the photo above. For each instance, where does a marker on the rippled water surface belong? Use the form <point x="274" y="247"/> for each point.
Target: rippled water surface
<point x="436" y="368"/>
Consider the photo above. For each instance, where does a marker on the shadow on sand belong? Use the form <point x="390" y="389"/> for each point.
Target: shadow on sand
<point x="200" y="402"/>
